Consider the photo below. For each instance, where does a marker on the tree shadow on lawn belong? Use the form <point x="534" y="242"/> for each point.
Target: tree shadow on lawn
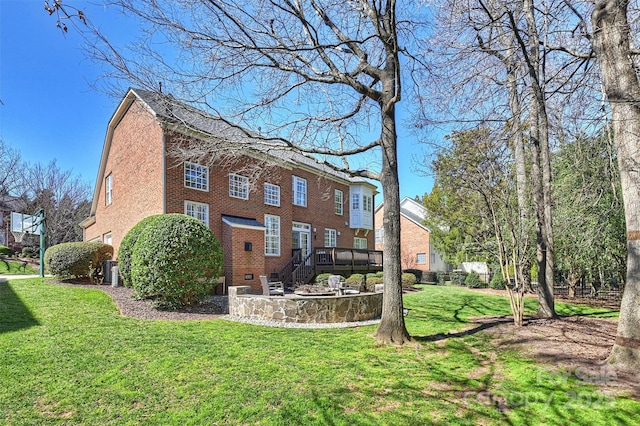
<point x="14" y="315"/>
<point x="467" y="332"/>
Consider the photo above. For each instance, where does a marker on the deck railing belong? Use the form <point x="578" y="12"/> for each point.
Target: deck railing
<point x="330" y="259"/>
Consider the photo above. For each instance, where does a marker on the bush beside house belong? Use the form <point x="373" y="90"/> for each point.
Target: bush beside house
<point x="126" y="249"/>
<point x="176" y="261"/>
<point x="76" y="260"/>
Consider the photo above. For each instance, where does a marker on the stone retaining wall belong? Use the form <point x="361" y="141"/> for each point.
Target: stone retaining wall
<point x="304" y="309"/>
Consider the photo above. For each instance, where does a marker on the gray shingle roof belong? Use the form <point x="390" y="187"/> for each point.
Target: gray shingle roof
<point x="241" y="221"/>
<point x="166" y="107"/>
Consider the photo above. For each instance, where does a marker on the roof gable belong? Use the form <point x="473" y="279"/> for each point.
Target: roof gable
<point x="412" y="210"/>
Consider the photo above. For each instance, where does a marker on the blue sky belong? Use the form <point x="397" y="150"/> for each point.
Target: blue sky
<point x="49" y="110"/>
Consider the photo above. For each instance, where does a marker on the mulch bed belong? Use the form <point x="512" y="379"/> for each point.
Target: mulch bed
<point x="213" y="308"/>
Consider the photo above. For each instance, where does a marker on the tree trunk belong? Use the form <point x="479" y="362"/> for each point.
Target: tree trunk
<point x="392" y="329"/>
<point x="611" y="41"/>
<point x="541" y="169"/>
<point x="523" y="262"/>
<point x="572" y="280"/>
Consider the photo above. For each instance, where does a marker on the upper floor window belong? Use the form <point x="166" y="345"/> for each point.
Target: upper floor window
<point x="338" y="197"/>
<point x="196" y="176"/>
<point x="272" y="235"/>
<point x="355" y="202"/>
<point x="367" y="203"/>
<point x="330" y="238"/>
<point x="359" y="243"/>
<point x="239" y="186"/>
<point x="271" y="194"/>
<point x="108" y="189"/>
<point x="198" y="210"/>
<point x="299" y="191"/>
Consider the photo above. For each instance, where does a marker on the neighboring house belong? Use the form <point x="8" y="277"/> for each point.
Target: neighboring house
<point x="416" y="249"/>
<point x="294" y="221"/>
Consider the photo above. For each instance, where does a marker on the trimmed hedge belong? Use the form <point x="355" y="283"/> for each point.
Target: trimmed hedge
<point x="5" y="251"/>
<point x="126" y="249"/>
<point x="76" y="259"/>
<point x="176" y="261"/>
<point x="354" y="279"/>
<point x="473" y="280"/>
<point x="408" y="280"/>
<point x="372" y="280"/>
<point x="322" y="278"/>
<point x="429" y="277"/>
<point x="497" y="282"/>
<point x="416" y="272"/>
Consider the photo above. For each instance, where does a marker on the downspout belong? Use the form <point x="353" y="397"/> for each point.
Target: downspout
<point x="164" y="169"/>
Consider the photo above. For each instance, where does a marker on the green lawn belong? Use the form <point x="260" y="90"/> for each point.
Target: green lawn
<point x="15" y="268"/>
<point x="67" y="357"/>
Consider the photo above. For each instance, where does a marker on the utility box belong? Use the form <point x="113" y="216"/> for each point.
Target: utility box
<point x="107" y="265"/>
<point x="115" y="279"/>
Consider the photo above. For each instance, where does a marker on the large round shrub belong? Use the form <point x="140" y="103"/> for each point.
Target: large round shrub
<point x="175" y="262"/>
<point x="408" y="280"/>
<point x="77" y="259"/>
<point x="5" y="251"/>
<point x="126" y="249"/>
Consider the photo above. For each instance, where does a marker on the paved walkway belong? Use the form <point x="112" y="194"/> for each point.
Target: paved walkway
<point x="5" y="277"/>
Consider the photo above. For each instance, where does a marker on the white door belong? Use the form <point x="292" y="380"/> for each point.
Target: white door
<point x="302" y="238"/>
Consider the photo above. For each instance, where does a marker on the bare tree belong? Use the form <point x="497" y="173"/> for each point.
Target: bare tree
<point x="11" y="170"/>
<point x="499" y="69"/>
<point x="315" y="77"/>
<point x="612" y="42"/>
<point x="64" y="198"/>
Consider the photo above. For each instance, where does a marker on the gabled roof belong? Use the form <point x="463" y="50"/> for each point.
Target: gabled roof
<point x="412" y="210"/>
<point x="166" y="109"/>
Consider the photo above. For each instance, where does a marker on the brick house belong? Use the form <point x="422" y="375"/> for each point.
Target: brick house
<point x="299" y="219"/>
<point x="416" y="250"/>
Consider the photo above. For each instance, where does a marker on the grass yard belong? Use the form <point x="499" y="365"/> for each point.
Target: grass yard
<point x="68" y="357"/>
<point x="15" y="268"/>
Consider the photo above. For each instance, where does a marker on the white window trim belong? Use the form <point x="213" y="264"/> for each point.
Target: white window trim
<point x="295" y="192"/>
<point x="267" y="220"/>
<point x="205" y="170"/>
<point x="339" y="211"/>
<point x="424" y="257"/>
<point x="275" y="188"/>
<point x="196" y="204"/>
<point x="244" y="185"/>
<point x="330" y="234"/>
<point x="108" y="190"/>
<point x="357" y="240"/>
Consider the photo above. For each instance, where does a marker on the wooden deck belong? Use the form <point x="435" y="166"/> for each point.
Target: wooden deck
<point x="341" y="261"/>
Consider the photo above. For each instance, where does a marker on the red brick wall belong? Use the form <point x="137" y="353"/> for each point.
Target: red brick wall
<point x="319" y="213"/>
<point x="414" y="239"/>
<point x="135" y="162"/>
<point x="239" y="262"/>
